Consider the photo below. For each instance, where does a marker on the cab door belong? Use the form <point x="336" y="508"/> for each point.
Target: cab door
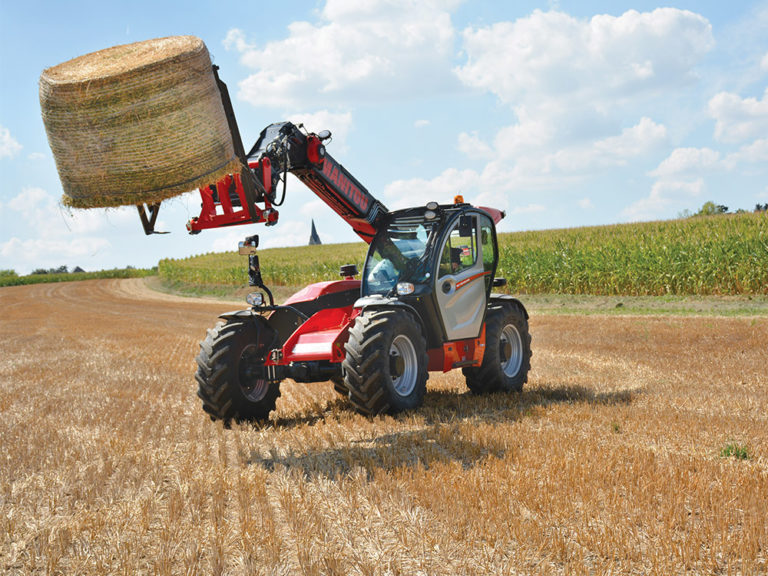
<point x="464" y="275"/>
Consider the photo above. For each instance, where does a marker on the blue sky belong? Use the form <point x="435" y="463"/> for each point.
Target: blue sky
<point x="562" y="113"/>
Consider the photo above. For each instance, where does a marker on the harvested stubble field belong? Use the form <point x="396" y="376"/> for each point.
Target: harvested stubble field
<point x="639" y="446"/>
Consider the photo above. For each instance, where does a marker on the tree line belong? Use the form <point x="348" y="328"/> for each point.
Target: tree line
<point x="712" y="209"/>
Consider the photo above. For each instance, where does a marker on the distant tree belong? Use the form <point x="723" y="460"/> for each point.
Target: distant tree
<point x="8" y="274"/>
<point x="710" y="209"/>
<point x="761" y="207"/>
<point x="59" y="270"/>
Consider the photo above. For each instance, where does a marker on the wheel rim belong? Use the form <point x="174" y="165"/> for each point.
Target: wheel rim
<point x="251" y="375"/>
<point x="402" y="365"/>
<point x="510" y="351"/>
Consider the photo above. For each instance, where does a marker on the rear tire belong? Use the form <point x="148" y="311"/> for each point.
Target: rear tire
<point x="385" y="369"/>
<point x="507" y="357"/>
<point x="231" y="376"/>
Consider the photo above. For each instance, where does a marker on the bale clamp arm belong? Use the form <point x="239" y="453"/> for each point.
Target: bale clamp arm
<point x="233" y="199"/>
<point x="250" y="196"/>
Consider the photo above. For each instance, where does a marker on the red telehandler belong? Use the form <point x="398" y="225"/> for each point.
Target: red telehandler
<point x="424" y="302"/>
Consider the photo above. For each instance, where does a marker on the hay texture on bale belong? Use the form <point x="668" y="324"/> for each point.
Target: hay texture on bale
<point x="136" y="123"/>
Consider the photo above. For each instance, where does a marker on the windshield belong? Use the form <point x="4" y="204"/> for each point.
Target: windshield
<point x="397" y="255"/>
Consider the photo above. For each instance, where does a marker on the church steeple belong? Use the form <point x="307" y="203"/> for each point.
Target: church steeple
<point x="314" y="239"/>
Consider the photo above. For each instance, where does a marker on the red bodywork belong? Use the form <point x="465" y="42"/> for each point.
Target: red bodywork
<point x="314" y="291"/>
<point x="457" y="354"/>
<point x="283" y="148"/>
<point x="217" y="211"/>
<point x="323" y="335"/>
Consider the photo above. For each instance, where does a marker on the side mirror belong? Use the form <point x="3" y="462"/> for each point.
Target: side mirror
<point x="499" y="282"/>
<point x="324" y="135"/>
<point x="465" y="226"/>
<point x="348" y="271"/>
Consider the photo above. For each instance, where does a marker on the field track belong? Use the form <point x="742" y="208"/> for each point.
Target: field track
<point x="621" y="456"/>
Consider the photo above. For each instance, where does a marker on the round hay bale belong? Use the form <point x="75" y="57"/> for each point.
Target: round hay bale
<point x="136" y="123"/>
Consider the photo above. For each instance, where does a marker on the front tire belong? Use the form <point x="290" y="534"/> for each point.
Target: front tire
<point x="385" y="369"/>
<point x="507" y="357"/>
<point x="339" y="386"/>
<point x="232" y="380"/>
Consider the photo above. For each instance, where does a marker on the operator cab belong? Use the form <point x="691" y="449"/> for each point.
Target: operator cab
<point x="439" y="260"/>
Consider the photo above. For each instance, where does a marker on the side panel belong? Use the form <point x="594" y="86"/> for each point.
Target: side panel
<point x="308" y="302"/>
<point x="460" y="289"/>
<point x="457" y="354"/>
<point x="319" y="290"/>
<point x="322" y="337"/>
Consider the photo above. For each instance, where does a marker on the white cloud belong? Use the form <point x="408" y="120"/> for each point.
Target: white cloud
<point x="290" y="233"/>
<point x="374" y="50"/>
<point x="679" y="177"/>
<point x="528" y="155"/>
<point x="739" y="119"/>
<point x="235" y="40"/>
<point x="586" y="204"/>
<point x="313" y="208"/>
<point x="636" y="141"/>
<point x="684" y="175"/>
<point x="473" y="147"/>
<point x="49" y="251"/>
<point x="664" y="196"/>
<point x="42" y="213"/>
<point x="286" y="233"/>
<point x="687" y="161"/>
<point x="9" y="147"/>
<point x="227" y="241"/>
<point x="339" y="123"/>
<point x="527" y="209"/>
<point x="441" y="189"/>
<point x="572" y="83"/>
<point x="551" y="55"/>
<point x="764" y="63"/>
<point x="754" y="153"/>
<point x="496" y="186"/>
<point x="56" y="234"/>
<point x="421" y="123"/>
<point x="641" y="138"/>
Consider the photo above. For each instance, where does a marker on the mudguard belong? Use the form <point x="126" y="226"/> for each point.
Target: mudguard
<point x="249" y="314"/>
<point x="502" y="298"/>
<point x="376" y="302"/>
<point x="238" y="314"/>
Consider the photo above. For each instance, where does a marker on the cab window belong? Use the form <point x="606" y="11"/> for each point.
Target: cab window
<point x="460" y="248"/>
<point x="486" y="239"/>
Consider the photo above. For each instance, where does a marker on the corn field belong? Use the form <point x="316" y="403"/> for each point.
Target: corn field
<point x="718" y="255"/>
<point x="295" y="266"/>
